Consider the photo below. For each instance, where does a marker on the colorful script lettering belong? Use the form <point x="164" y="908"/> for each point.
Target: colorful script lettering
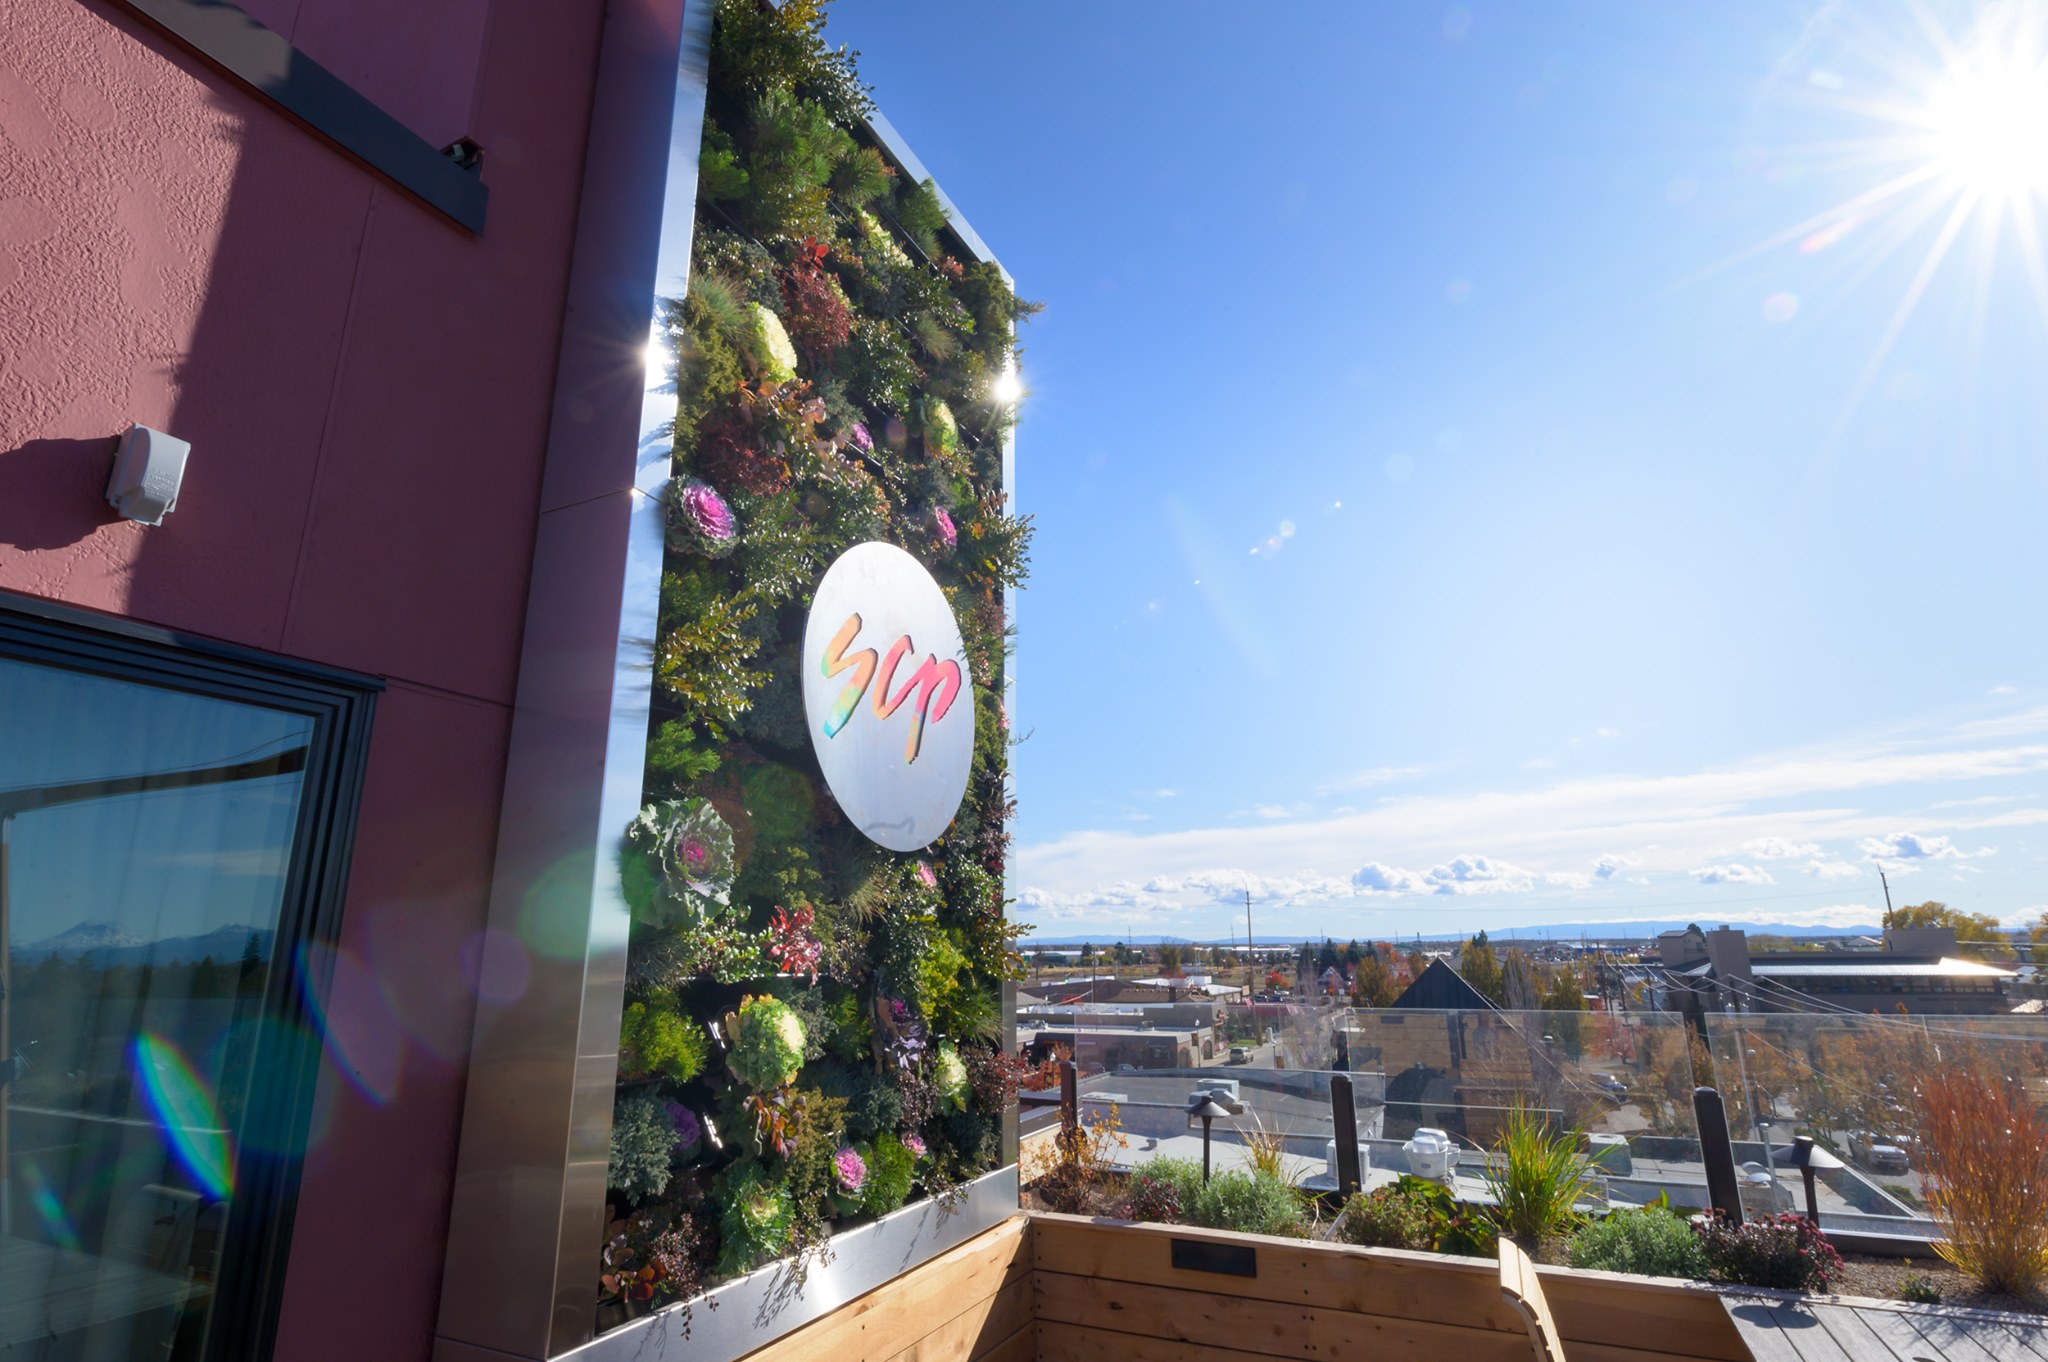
<point x="936" y="684"/>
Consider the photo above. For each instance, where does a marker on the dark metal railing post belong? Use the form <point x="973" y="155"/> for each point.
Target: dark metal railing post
<point x="1717" y="1153"/>
<point x="1070" y="1106"/>
<point x="1344" y="1119"/>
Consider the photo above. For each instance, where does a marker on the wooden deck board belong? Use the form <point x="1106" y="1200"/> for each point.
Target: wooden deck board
<point x="1779" y="1328"/>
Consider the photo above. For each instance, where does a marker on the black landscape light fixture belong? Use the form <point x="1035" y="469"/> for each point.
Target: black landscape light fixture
<point x="1207" y="1106"/>
<point x="1810" y="1159"/>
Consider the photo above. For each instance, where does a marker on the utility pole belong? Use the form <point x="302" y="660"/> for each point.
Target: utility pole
<point x="1251" y="946"/>
<point x="1887" y="895"/>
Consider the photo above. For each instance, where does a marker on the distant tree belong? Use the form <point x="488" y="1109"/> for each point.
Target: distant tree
<point x="1374" y="987"/>
<point x="1087" y="953"/>
<point x="1218" y="957"/>
<point x="248" y="977"/>
<point x="1327" y="956"/>
<point x="1971" y="929"/>
<point x="1351" y="954"/>
<point x="2040" y="940"/>
<point x="1565" y="994"/>
<point x="1481" y="969"/>
<point x="1275" y="979"/>
<point x="1169" y="959"/>
<point x="1417" y="963"/>
<point x="207" y="980"/>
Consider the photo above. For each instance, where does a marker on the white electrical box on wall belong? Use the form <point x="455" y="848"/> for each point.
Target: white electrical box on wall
<point x="148" y="467"/>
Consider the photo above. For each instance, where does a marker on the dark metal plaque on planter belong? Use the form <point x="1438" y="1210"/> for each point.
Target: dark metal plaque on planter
<point x="1230" y="1260"/>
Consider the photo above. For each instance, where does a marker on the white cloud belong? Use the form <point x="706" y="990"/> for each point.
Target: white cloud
<point x="1272" y="811"/>
<point x="1778" y="849"/>
<point x="1230" y="886"/>
<point x="1856" y="790"/>
<point x="1477" y="875"/>
<point x="1913" y="846"/>
<point x="1835" y="915"/>
<point x="1568" y="879"/>
<point x="2005" y="690"/>
<point x="1374" y="878"/>
<point x="1733" y="874"/>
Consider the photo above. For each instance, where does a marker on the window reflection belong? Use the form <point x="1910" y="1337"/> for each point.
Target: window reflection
<point x="145" y="839"/>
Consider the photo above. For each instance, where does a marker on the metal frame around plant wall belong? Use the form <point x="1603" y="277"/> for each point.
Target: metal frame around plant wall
<point x="526" y="1226"/>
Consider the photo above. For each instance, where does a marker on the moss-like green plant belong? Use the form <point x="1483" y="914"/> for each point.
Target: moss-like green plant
<point x="767" y="1043"/>
<point x="643" y="1142"/>
<point x="892" y="1169"/>
<point x="756" y="1218"/>
<point x="655" y="1038"/>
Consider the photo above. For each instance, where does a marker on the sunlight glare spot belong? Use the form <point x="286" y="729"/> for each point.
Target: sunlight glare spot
<point x="1989" y="120"/>
<point x="1780" y="308"/>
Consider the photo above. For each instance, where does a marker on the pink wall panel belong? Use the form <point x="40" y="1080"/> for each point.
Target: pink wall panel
<point x="366" y="387"/>
<point x="364" y="1277"/>
<point x="418" y="59"/>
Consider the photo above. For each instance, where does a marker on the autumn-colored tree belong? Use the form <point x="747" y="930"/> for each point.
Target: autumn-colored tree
<point x="1481" y="969"/>
<point x="1980" y="931"/>
<point x="1374" y="987"/>
<point x="1565" y="994"/>
<point x="1169" y="960"/>
<point x="1418" y="962"/>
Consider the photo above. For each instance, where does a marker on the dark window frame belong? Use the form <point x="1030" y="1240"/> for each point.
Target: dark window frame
<point x="249" y="1290"/>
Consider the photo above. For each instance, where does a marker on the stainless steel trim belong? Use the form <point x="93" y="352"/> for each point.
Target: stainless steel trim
<point x="755" y="1310"/>
<point x="527" y="1219"/>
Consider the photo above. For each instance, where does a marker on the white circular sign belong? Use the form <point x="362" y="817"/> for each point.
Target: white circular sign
<point x="888" y="697"/>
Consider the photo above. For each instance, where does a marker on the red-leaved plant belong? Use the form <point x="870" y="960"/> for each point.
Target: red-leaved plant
<point x="1985" y="1153"/>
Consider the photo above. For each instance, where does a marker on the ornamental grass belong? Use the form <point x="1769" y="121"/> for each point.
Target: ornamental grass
<point x="1985" y="1153"/>
<point x="1536" y="1177"/>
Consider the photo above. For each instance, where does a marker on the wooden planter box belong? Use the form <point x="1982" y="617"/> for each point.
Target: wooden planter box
<point x="1069" y="1289"/>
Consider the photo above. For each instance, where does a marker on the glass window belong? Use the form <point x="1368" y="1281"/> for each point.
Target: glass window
<point x="153" y="878"/>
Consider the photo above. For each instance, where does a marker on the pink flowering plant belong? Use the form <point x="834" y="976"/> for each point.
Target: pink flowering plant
<point x="849" y="1180"/>
<point x="700" y="521"/>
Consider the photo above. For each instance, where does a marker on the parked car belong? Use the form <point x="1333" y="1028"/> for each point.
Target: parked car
<point x="1240" y="1055"/>
<point x="1612" y="1086"/>
<point x="1879" y="1153"/>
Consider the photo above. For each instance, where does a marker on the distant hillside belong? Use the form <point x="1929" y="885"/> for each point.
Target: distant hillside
<point x="1557" y="931"/>
<point x="103" y="944"/>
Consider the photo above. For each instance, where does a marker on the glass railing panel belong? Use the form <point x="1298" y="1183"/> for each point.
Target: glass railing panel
<point x="1854" y="1083"/>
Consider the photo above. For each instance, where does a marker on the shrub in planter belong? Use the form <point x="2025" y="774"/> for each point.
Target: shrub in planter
<point x="1985" y="1150"/>
<point x="1651" y="1242"/>
<point x="892" y="1169"/>
<point x="1785" y="1252"/>
<point x="1389" y="1217"/>
<point x="1251" y="1203"/>
<point x="1415" y="1213"/>
<point x="1151" y="1198"/>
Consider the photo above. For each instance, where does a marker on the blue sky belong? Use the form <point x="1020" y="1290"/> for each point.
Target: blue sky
<point x="1639" y="531"/>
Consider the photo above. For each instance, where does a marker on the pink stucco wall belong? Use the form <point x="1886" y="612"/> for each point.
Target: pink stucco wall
<point x="366" y="390"/>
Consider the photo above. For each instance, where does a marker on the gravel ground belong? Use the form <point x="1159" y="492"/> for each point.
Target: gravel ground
<point x="1882" y="1278"/>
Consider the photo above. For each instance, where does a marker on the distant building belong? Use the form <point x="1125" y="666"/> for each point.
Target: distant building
<point x="1921" y="971"/>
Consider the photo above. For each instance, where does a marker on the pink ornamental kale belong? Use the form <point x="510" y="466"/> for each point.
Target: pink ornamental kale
<point x="915" y="1144"/>
<point x="926" y="876"/>
<point x="943" y="525"/>
<point x="859" y="438"/>
<point x="849" y="1170"/>
<point x="707" y="511"/>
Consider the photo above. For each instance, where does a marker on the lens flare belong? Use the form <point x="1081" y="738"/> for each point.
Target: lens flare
<point x="43" y="1197"/>
<point x="184" y="1107"/>
<point x="362" y="1034"/>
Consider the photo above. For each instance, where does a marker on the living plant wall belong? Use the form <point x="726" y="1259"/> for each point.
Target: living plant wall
<point x="812" y="1031"/>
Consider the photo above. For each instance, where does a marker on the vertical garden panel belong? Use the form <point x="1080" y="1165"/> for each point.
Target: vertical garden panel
<point x="813" y="1049"/>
